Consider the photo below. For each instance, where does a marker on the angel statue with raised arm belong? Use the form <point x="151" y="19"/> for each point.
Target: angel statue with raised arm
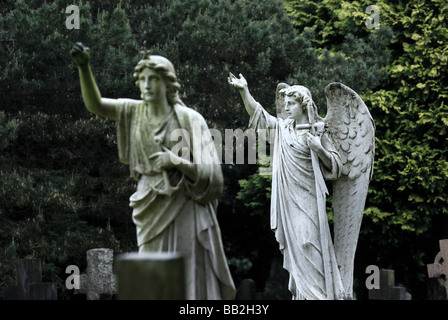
<point x="308" y="150"/>
<point x="174" y="206"/>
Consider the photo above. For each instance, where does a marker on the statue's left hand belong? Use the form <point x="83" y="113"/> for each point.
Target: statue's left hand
<point x="161" y="160"/>
<point x="314" y="142"/>
<point x="318" y="128"/>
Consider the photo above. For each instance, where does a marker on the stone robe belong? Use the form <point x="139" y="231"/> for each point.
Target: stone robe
<point x="186" y="221"/>
<point x="298" y="216"/>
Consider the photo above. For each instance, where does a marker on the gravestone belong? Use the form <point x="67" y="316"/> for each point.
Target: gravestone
<point x="42" y="291"/>
<point x="29" y="283"/>
<point x="439" y="271"/>
<point x="347" y="133"/>
<point x="388" y="290"/>
<point x="151" y="276"/>
<point x="99" y="282"/>
<point x="248" y="291"/>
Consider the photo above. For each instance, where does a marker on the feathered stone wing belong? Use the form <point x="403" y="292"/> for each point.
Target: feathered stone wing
<point x="352" y="131"/>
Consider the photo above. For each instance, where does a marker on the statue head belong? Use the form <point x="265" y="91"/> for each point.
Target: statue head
<point x="303" y="96"/>
<point x="165" y="69"/>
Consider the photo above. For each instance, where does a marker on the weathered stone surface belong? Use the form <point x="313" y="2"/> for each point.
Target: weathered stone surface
<point x="99" y="282"/>
<point x="151" y="276"/>
<point x="439" y="269"/>
<point x="179" y="180"/>
<point x="308" y="150"/>
<point x="388" y="290"/>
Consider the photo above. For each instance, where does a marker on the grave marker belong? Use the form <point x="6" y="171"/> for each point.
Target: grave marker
<point x="151" y="276"/>
<point x="99" y="282"/>
<point x="388" y="290"/>
<point x="439" y="269"/>
<point x="248" y="291"/>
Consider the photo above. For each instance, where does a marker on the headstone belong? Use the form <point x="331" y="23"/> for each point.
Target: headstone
<point x="347" y="133"/>
<point x="388" y="290"/>
<point x="246" y="290"/>
<point x="439" y="269"/>
<point x="29" y="283"/>
<point x="175" y="201"/>
<point x="99" y="282"/>
<point x="28" y="271"/>
<point x="151" y="276"/>
<point x="42" y="291"/>
<point x="435" y="289"/>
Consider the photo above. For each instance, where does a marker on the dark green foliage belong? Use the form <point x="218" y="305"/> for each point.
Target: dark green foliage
<point x="62" y="193"/>
<point x="208" y="39"/>
<point x="358" y="63"/>
<point x="40" y="66"/>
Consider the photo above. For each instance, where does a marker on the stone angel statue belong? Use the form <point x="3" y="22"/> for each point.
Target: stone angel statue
<point x="308" y="150"/>
<point x="175" y="204"/>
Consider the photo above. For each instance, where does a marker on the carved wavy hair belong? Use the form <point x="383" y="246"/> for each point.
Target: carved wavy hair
<point x="165" y="69"/>
<point x="303" y="96"/>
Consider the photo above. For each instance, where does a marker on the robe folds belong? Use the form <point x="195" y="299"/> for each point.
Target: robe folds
<point x="186" y="221"/>
<point x="298" y="216"/>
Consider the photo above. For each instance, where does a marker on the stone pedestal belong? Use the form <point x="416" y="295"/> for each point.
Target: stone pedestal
<point x="150" y="276"/>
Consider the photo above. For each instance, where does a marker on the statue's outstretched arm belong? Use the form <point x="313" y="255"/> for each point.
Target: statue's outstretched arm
<point x="90" y="93"/>
<point x="241" y="85"/>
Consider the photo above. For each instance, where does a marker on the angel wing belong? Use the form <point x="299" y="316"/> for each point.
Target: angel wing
<point x="352" y="131"/>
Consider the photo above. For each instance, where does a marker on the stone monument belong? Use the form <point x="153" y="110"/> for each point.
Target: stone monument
<point x="164" y="271"/>
<point x="439" y="269"/>
<point x="308" y="150"/>
<point x="388" y="290"/>
<point x="99" y="282"/>
<point x="174" y="206"/>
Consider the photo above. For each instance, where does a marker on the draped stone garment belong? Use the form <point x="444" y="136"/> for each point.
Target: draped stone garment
<point x="186" y="221"/>
<point x="306" y="245"/>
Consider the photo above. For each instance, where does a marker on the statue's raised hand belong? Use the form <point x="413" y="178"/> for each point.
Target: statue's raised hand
<point x="240" y="83"/>
<point x="80" y="54"/>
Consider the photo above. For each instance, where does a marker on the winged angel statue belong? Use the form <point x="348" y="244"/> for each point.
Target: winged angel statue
<point x="308" y="150"/>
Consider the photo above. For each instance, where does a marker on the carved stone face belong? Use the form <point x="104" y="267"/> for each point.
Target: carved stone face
<point x="294" y="108"/>
<point x="152" y="86"/>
